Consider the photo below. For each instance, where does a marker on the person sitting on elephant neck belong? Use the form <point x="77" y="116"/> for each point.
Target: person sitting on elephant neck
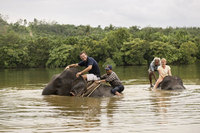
<point x="153" y="68"/>
<point x="113" y="79"/>
<point x="164" y="70"/>
<point x="91" y="67"/>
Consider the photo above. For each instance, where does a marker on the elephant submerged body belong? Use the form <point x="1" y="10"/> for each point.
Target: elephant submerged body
<point x="171" y="83"/>
<point x="67" y="84"/>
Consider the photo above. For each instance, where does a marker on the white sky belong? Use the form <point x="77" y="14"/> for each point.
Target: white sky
<point x="155" y="13"/>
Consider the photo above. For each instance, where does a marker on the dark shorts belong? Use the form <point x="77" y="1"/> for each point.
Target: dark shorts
<point x="119" y="89"/>
<point x="152" y="71"/>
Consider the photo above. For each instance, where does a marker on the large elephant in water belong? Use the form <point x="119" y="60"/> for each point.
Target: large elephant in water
<point x="171" y="83"/>
<point x="67" y="84"/>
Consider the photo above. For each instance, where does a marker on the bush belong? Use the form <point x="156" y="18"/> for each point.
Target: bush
<point x="109" y="61"/>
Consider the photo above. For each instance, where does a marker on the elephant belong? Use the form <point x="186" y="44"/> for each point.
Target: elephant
<point x="61" y="83"/>
<point x="171" y="83"/>
<point x="67" y="84"/>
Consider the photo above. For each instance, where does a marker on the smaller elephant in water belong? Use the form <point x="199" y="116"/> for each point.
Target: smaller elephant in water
<point x="67" y="84"/>
<point x="171" y="83"/>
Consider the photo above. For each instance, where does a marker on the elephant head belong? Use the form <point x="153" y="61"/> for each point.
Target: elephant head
<point x="172" y="83"/>
<point x="61" y="84"/>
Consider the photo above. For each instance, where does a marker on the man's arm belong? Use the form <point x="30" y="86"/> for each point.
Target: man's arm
<point x="87" y="69"/>
<point x="108" y="79"/>
<point x="84" y="71"/>
<point x="72" y="65"/>
<point x="99" y="81"/>
<point x="151" y="67"/>
<point x="103" y="76"/>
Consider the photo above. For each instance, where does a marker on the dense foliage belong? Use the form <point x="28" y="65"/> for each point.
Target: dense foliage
<point x="42" y="44"/>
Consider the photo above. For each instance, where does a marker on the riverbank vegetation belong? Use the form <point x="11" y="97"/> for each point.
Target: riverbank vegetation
<point x="49" y="44"/>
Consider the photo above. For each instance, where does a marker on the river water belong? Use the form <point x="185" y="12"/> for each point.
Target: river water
<point x="24" y="109"/>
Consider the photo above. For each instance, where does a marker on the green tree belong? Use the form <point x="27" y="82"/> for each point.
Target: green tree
<point x="115" y="40"/>
<point x="164" y="50"/>
<point x="14" y="56"/>
<point x="49" y="44"/>
<point x="61" y="56"/>
<point x="39" y="51"/>
<point x="188" y="52"/>
<point x="134" y="52"/>
<point x="109" y="61"/>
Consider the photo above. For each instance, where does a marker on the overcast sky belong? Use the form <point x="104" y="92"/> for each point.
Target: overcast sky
<point x="155" y="13"/>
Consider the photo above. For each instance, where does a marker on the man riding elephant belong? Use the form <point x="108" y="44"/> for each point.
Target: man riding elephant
<point x="91" y="67"/>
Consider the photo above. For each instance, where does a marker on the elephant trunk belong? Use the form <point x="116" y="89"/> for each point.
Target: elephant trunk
<point x="48" y="91"/>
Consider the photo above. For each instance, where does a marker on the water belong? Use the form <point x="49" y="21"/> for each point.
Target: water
<point x="24" y="109"/>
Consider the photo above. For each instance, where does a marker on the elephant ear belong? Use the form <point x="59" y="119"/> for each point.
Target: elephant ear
<point x="78" y="85"/>
<point x="179" y="80"/>
<point x="166" y="82"/>
<point x="57" y="82"/>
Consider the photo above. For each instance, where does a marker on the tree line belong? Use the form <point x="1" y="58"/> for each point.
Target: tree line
<point x="49" y="44"/>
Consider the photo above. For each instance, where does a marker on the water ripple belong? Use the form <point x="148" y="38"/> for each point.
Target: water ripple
<point x="138" y="110"/>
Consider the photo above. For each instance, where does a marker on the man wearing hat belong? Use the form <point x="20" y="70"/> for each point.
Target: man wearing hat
<point x="113" y="79"/>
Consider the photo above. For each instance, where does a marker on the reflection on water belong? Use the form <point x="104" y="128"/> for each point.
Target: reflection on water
<point x="160" y="102"/>
<point x="160" y="111"/>
<point x="75" y="109"/>
<point x="24" y="109"/>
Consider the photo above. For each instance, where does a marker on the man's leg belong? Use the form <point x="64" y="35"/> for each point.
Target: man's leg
<point x="91" y="77"/>
<point x="84" y="76"/>
<point x="117" y="90"/>
<point x="150" y="78"/>
<point x="117" y="93"/>
<point x="154" y="75"/>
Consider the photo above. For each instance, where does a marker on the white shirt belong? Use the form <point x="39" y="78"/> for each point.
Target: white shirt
<point x="164" y="72"/>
